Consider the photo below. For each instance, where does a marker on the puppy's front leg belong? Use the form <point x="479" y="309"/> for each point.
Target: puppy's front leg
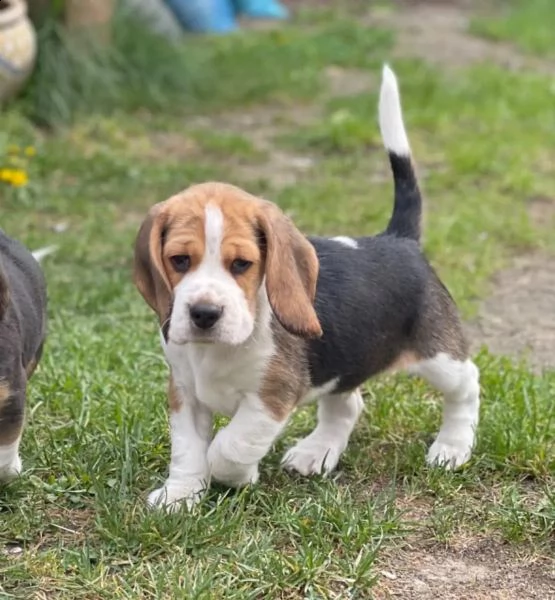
<point x="191" y="432"/>
<point x="237" y="449"/>
<point x="12" y="411"/>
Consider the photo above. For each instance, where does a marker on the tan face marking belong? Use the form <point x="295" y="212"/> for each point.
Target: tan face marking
<point x="184" y="237"/>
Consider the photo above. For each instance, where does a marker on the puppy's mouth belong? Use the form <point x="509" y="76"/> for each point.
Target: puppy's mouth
<point x="202" y="340"/>
<point x="194" y="338"/>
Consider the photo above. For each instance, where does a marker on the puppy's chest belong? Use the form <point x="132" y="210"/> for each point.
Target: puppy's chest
<point x="219" y="380"/>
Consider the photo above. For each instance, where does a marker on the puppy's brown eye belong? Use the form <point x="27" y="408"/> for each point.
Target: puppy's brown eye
<point x="239" y="266"/>
<point x="181" y="262"/>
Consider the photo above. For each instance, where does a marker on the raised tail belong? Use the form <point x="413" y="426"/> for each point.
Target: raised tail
<point x="407" y="210"/>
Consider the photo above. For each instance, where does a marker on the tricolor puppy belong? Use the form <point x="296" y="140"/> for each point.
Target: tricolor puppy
<point x="22" y="332"/>
<point x="257" y="319"/>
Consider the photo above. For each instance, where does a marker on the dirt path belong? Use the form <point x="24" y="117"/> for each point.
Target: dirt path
<point x="518" y="319"/>
<point x="477" y="570"/>
<point x="437" y="32"/>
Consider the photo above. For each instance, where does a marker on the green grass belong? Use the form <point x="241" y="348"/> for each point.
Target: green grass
<point x="97" y="438"/>
<point x="527" y="23"/>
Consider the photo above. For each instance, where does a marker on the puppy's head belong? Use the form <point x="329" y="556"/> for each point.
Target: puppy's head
<point x="207" y="259"/>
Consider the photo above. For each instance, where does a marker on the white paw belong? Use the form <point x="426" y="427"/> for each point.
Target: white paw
<point x="11" y="470"/>
<point x="449" y="454"/>
<point x="172" y="496"/>
<point x="235" y="475"/>
<point x="224" y="468"/>
<point x="314" y="455"/>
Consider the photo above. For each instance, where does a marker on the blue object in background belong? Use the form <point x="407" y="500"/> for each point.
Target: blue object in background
<point x="261" y="9"/>
<point x="218" y="16"/>
<point x="204" y="16"/>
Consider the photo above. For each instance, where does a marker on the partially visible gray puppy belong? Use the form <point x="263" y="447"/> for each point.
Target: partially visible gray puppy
<point x="22" y="333"/>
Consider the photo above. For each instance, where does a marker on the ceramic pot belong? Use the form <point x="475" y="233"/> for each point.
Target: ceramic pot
<point x="18" y="47"/>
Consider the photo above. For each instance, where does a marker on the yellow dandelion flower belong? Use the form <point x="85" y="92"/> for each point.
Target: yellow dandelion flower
<point x="19" y="178"/>
<point x="30" y="151"/>
<point x="7" y="175"/>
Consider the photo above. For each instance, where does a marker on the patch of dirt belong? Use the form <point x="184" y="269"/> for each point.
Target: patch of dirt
<point x="541" y="210"/>
<point x="350" y="82"/>
<point x="518" y="319"/>
<point x="282" y="169"/>
<point x="174" y="145"/>
<point x="469" y="565"/>
<point x="437" y="32"/>
<point x="70" y="526"/>
<point x="262" y="125"/>
<point x="480" y="570"/>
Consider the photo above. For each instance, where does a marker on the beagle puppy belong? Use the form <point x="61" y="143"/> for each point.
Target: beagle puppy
<point x="257" y="319"/>
<point x="22" y="333"/>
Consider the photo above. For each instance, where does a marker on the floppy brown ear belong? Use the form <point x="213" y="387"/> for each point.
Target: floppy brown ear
<point x="291" y="273"/>
<point x="149" y="274"/>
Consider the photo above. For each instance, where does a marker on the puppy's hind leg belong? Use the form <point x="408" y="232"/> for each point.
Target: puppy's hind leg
<point x="439" y="342"/>
<point x="12" y="410"/>
<point x="458" y="380"/>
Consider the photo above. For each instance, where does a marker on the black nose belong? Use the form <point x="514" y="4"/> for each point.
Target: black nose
<point x="205" y="316"/>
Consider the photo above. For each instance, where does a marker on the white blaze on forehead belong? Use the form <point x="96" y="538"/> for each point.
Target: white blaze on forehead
<point x="213" y="232"/>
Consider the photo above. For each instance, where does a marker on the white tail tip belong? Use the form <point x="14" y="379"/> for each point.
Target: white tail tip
<point x="39" y="254"/>
<point x="391" y="115"/>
